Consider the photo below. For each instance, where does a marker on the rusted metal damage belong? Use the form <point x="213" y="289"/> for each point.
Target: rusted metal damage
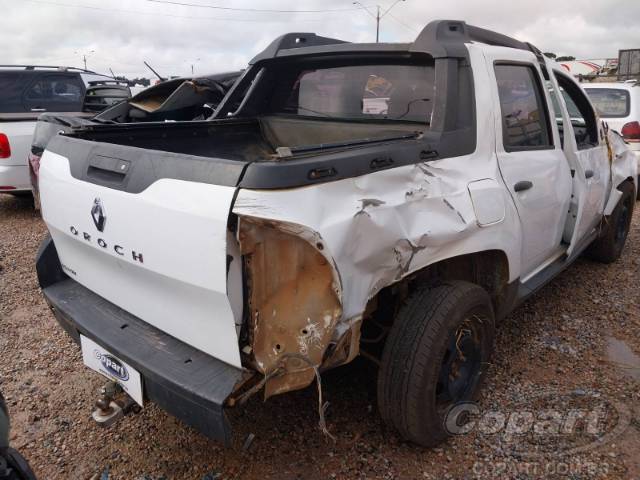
<point x="294" y="303"/>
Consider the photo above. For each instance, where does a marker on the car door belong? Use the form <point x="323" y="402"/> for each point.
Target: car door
<point x="584" y="146"/>
<point x="530" y="158"/>
<point x="54" y="92"/>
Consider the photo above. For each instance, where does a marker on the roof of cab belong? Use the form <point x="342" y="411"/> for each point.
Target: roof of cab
<point x="439" y="38"/>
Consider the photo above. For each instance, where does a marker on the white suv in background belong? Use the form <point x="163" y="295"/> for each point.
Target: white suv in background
<point x="618" y="103"/>
<point x="28" y="91"/>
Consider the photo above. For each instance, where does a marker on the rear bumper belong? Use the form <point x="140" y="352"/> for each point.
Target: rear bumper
<point x="185" y="382"/>
<point x="16" y="176"/>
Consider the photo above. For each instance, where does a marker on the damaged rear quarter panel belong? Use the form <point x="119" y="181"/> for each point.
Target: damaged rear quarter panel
<point x="378" y="228"/>
<point x="381" y="227"/>
<point x="373" y="230"/>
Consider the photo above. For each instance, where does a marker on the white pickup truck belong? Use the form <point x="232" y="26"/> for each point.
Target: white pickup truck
<point x="388" y="200"/>
<point x="26" y="92"/>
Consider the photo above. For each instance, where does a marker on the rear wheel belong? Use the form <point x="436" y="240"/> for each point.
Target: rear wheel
<point x="435" y="357"/>
<point x="607" y="248"/>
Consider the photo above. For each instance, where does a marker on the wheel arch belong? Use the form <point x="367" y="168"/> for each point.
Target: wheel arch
<point x="488" y="269"/>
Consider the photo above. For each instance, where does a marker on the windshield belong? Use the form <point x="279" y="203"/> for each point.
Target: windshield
<point x="610" y="102"/>
<point x="360" y="92"/>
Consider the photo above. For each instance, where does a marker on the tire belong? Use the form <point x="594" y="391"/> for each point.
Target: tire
<point x="607" y="248"/>
<point x="412" y="397"/>
<point x="638" y="189"/>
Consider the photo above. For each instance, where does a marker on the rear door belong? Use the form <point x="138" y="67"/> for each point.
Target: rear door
<point x="531" y="161"/>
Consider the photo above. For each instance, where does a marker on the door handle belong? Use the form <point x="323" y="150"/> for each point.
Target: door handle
<point x="522" y="185"/>
<point x="38" y="109"/>
<point x="588" y="174"/>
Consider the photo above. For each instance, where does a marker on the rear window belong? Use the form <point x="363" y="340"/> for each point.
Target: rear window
<point x="54" y="92"/>
<point x="98" y="98"/>
<point x="360" y="92"/>
<point x="610" y="102"/>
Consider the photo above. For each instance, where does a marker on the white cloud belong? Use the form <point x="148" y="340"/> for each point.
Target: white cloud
<point x="120" y="34"/>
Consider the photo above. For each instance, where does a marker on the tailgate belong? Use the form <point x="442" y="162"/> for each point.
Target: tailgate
<point x="159" y="253"/>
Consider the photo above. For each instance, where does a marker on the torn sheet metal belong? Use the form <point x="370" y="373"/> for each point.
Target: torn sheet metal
<point x="294" y="301"/>
<point x="624" y="164"/>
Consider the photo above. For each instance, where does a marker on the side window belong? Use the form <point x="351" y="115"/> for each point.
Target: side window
<point x="11" y="84"/>
<point x="583" y="117"/>
<point x="60" y="93"/>
<point x="525" y="119"/>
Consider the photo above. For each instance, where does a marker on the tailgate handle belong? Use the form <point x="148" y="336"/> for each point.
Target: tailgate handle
<point x="588" y="174"/>
<point x="108" y="169"/>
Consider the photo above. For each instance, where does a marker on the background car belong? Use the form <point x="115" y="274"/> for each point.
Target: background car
<point x="619" y="104"/>
<point x="178" y="99"/>
<point x="28" y="91"/>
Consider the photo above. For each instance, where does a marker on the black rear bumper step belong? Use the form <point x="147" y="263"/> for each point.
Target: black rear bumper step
<point x="185" y="382"/>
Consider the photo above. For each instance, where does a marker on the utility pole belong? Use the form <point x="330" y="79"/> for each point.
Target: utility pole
<point x="193" y="62"/>
<point x="378" y="16"/>
<point x="84" y="56"/>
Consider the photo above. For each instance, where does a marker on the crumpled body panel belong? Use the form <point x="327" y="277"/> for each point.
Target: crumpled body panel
<point x="381" y="227"/>
<point x="624" y="164"/>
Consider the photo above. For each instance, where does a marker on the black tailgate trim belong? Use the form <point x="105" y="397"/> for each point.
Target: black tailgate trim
<point x="146" y="166"/>
<point x="185" y="382"/>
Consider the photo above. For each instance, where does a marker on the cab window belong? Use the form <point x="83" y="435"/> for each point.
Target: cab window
<point x="525" y="119"/>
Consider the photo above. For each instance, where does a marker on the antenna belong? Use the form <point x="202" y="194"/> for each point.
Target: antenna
<point x="155" y="73"/>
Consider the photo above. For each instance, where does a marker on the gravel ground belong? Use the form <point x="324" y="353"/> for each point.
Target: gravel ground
<point x="574" y="347"/>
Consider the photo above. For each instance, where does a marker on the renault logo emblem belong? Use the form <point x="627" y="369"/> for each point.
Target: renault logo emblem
<point x="98" y="214"/>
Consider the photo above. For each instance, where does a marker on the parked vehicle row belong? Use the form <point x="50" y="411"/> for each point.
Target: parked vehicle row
<point x="619" y="105"/>
<point x="179" y="99"/>
<point x="28" y="91"/>
<point x="394" y="200"/>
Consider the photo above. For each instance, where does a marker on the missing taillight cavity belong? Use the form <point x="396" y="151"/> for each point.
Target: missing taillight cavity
<point x="631" y="131"/>
<point x="5" y="148"/>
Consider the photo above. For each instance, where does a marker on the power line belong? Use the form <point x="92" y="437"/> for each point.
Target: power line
<point x="154" y="14"/>
<point x="258" y="10"/>
<point x="391" y="15"/>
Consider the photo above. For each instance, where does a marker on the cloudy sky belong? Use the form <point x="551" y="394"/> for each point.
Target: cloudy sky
<point x="219" y="35"/>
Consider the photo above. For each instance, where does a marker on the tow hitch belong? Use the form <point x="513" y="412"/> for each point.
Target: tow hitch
<point x="113" y="404"/>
